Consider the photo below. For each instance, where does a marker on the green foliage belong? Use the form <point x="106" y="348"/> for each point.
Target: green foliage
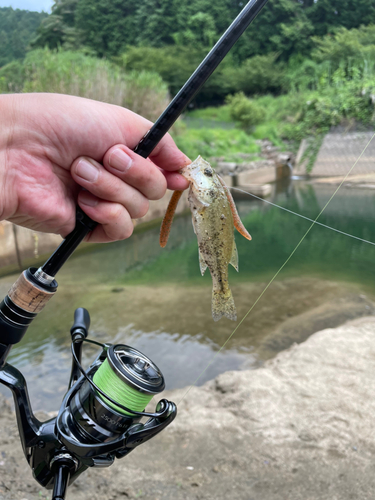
<point x="326" y="15"/>
<point x="58" y="28"/>
<point x="17" y="28"/>
<point x="219" y="114"/>
<point x="215" y="143"/>
<point x="183" y="22"/>
<point x="345" y="45"/>
<point x="106" y="26"/>
<point x="12" y="77"/>
<point x="175" y="64"/>
<point x="284" y="27"/>
<point x="311" y="151"/>
<point x="245" y="112"/>
<point x="200" y="30"/>
<point x="258" y="75"/>
<point x="75" y="73"/>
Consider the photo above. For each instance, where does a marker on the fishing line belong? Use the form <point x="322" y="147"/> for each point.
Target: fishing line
<point x="109" y="382"/>
<point x="304" y="217"/>
<point x="278" y="272"/>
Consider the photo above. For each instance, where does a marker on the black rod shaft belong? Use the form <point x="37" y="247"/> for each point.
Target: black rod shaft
<point x="167" y="119"/>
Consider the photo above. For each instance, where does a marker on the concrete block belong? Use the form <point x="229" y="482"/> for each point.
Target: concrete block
<point x="261" y="190"/>
<point x="260" y="176"/>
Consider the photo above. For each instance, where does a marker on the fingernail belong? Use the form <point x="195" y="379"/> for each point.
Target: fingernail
<point x="87" y="199"/>
<point x="119" y="160"/>
<point x="87" y="171"/>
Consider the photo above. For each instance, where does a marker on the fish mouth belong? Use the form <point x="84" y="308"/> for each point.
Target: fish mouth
<point x="187" y="173"/>
<point x="191" y="171"/>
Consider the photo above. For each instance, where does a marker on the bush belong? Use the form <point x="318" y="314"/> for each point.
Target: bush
<point x="257" y="75"/>
<point x="75" y="73"/>
<point x="245" y="112"/>
<point x="12" y="77"/>
<point x="344" y="45"/>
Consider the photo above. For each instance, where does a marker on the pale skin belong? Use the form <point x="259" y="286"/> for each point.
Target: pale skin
<point x="57" y="151"/>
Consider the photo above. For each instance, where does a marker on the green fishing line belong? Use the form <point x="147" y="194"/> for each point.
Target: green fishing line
<point x="107" y="380"/>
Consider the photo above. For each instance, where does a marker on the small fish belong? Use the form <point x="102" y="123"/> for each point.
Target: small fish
<point x="214" y="217"/>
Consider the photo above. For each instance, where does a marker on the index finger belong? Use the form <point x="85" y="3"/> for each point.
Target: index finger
<point x="167" y="156"/>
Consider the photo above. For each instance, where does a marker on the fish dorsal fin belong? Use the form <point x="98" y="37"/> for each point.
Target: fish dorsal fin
<point x="168" y="218"/>
<point x="234" y="256"/>
<point x="202" y="264"/>
<point x="236" y="218"/>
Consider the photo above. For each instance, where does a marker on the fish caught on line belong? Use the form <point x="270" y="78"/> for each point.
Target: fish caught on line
<point x="214" y="217"/>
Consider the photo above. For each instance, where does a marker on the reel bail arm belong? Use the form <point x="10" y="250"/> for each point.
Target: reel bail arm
<point x="78" y="332"/>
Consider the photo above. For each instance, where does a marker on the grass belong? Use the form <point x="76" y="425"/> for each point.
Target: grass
<point x="219" y="114"/>
<point x="216" y="142"/>
<point x="211" y="132"/>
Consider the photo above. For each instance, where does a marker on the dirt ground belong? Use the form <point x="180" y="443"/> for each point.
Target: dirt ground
<point x="301" y="427"/>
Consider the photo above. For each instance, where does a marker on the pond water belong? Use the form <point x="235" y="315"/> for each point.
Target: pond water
<point x="155" y="299"/>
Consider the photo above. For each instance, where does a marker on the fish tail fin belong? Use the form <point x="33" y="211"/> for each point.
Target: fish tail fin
<point x="223" y="305"/>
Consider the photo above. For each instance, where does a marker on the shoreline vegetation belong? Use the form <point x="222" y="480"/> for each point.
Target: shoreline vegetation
<point x="298" y="71"/>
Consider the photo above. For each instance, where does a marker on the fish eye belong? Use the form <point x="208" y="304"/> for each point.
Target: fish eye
<point x="208" y="171"/>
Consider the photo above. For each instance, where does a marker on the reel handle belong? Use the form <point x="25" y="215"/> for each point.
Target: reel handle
<point x="62" y="476"/>
<point x="81" y="323"/>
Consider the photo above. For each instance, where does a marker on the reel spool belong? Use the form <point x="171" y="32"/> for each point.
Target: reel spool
<point x="126" y="377"/>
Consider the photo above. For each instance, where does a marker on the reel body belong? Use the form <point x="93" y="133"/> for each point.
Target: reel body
<point x="90" y="430"/>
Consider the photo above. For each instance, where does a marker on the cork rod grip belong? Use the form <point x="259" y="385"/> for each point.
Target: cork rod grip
<point x="29" y="296"/>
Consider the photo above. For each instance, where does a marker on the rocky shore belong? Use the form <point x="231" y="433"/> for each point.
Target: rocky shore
<point x="300" y="427"/>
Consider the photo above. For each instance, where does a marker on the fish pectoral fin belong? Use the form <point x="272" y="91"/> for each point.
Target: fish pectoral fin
<point x="236" y="218"/>
<point x="234" y="256"/>
<point x="166" y="225"/>
<point x="202" y="264"/>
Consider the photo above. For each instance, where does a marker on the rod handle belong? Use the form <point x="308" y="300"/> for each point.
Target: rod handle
<point x="30" y="295"/>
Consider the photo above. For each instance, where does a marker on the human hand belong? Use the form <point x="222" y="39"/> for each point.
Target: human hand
<point x="52" y="146"/>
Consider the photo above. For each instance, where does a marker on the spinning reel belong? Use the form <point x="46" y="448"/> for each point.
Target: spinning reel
<point x="92" y="428"/>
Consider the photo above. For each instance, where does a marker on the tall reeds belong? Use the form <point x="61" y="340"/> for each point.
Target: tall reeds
<point x="74" y="73"/>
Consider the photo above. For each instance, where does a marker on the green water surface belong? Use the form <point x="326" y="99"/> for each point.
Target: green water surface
<point x="156" y="300"/>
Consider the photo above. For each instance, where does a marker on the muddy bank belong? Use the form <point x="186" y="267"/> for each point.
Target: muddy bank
<point x="302" y="426"/>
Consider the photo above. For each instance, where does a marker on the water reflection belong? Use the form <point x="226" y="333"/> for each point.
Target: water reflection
<point x="156" y="300"/>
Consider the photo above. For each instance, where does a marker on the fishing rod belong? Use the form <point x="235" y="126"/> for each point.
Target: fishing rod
<point x="99" y="418"/>
<point x="165" y="121"/>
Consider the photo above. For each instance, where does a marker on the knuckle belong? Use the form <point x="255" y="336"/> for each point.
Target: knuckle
<point x="159" y="189"/>
<point x="119" y="225"/>
<point x="115" y="213"/>
<point x="125" y="231"/>
<point x="141" y="209"/>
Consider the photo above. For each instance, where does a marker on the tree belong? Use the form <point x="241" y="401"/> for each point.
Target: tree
<point x="58" y="29"/>
<point x="329" y="14"/>
<point x="282" y="27"/>
<point x="106" y="26"/>
<point x="17" y="27"/>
